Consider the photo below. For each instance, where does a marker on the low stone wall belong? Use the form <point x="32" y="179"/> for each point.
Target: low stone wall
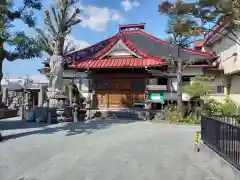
<point x="42" y="114"/>
<point x="7" y="113"/>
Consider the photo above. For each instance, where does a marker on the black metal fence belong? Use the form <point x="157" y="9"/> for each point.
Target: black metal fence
<point x="222" y="134"/>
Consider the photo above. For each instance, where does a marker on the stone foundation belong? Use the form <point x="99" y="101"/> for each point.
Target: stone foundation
<point x="7" y="113"/>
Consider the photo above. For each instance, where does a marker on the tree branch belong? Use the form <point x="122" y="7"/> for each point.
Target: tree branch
<point x="48" y="21"/>
<point x="12" y="15"/>
<point x="11" y="56"/>
<point x="43" y="36"/>
<point x="55" y="16"/>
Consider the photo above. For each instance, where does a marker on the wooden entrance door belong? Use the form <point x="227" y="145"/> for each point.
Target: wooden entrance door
<point x="101" y="100"/>
<point x="117" y="99"/>
<point x="114" y="100"/>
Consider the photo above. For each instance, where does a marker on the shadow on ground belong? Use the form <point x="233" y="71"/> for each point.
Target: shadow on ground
<point x="71" y="129"/>
<point x="18" y="124"/>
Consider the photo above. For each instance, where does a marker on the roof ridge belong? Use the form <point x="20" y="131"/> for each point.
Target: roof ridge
<point x="108" y="39"/>
<point x="108" y="47"/>
<point x="126" y="41"/>
<point x="132" y="46"/>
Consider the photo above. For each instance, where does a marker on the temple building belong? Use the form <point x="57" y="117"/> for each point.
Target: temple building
<point x="119" y="71"/>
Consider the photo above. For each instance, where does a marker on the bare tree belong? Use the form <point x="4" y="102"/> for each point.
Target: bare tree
<point x="58" y="20"/>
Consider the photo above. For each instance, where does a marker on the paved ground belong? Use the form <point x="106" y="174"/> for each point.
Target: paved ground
<point x="102" y="150"/>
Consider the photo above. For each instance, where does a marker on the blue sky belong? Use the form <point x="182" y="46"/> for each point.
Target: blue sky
<point x="100" y="20"/>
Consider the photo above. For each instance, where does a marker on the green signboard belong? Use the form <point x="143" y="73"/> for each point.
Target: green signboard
<point x="156" y="96"/>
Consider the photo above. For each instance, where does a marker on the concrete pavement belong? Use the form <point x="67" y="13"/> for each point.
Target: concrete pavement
<point x="103" y="150"/>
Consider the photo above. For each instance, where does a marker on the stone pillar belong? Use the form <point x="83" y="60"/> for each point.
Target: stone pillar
<point x="75" y="110"/>
<point x="41" y="96"/>
<point x="21" y="94"/>
<point x="70" y="95"/>
<point x="5" y="95"/>
<point x="61" y="110"/>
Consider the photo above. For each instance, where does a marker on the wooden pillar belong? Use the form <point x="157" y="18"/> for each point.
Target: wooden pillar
<point x="146" y="90"/>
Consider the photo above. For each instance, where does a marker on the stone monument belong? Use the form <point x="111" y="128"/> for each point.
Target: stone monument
<point x="56" y="97"/>
<point x="55" y="92"/>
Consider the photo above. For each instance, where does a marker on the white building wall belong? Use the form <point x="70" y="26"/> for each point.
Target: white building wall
<point x="80" y="79"/>
<point x="225" y="48"/>
<point x="235" y="89"/>
<point x="191" y="71"/>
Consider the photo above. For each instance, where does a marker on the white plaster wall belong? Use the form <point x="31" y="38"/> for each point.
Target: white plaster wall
<point x="235" y="89"/>
<point x="225" y="48"/>
<point x="79" y="79"/>
<point x="83" y="86"/>
<point x="120" y="49"/>
<point x="191" y="71"/>
<point x="219" y="79"/>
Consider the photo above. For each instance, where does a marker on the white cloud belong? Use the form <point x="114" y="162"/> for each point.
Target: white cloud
<point x="78" y="43"/>
<point x="129" y="4"/>
<point x="98" y="18"/>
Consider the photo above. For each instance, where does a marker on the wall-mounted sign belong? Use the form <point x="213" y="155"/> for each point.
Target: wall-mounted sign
<point x="156" y="96"/>
<point x="156" y="87"/>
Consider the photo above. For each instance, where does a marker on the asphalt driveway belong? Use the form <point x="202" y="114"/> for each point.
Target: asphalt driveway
<point x="102" y="150"/>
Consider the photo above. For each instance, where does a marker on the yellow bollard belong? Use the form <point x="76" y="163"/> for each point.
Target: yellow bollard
<point x="196" y="135"/>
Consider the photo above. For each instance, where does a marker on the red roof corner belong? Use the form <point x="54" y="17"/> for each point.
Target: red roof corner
<point x="218" y="27"/>
<point x="198" y="44"/>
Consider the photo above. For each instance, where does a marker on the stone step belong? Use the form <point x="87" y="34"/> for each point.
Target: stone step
<point x="120" y="114"/>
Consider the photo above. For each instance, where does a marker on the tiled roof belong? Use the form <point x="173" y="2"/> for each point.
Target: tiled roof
<point x="118" y="63"/>
<point x="89" y="52"/>
<point x="159" y="48"/>
<point x="152" y="50"/>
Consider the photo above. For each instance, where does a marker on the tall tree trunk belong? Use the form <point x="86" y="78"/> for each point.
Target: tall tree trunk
<point x="1" y="75"/>
<point x="179" y="84"/>
<point x="2" y="57"/>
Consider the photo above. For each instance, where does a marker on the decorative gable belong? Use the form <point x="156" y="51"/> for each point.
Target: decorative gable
<point x="120" y="49"/>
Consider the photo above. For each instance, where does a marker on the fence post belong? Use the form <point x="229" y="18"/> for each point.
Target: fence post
<point x="197" y="147"/>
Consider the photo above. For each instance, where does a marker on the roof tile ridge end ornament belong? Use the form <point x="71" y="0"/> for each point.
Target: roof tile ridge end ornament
<point x="77" y="51"/>
<point x="108" y="47"/>
<point x="132" y="46"/>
